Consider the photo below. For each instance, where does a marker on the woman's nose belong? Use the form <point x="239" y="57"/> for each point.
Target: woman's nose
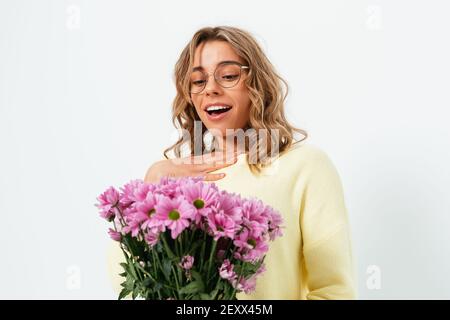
<point x="212" y="87"/>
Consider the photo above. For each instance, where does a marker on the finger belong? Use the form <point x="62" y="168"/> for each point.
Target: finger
<point x="212" y="158"/>
<point x="215" y="166"/>
<point x="220" y="161"/>
<point x="198" y="160"/>
<point x="214" y="176"/>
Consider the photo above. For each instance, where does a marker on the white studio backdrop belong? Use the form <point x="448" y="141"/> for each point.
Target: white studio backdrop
<point x="85" y="100"/>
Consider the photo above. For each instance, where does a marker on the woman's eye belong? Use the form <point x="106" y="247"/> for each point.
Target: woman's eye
<point x="230" y="77"/>
<point x="198" y="82"/>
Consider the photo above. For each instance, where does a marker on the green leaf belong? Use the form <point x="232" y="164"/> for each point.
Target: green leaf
<point x="125" y="292"/>
<point x="124" y="266"/>
<point x="213" y="294"/>
<point x="197" y="276"/>
<point x="192" y="288"/>
<point x="129" y="283"/>
<point x="148" y="282"/>
<point x="158" y="286"/>
<point x="159" y="247"/>
<point x="133" y="271"/>
<point x="166" y="269"/>
<point x="136" y="247"/>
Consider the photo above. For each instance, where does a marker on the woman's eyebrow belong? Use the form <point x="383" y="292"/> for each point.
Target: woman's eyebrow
<point x="221" y="62"/>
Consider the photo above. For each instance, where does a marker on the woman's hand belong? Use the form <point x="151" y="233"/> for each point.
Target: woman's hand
<point x="191" y="166"/>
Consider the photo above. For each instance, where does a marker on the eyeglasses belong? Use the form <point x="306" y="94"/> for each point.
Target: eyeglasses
<point x="227" y="75"/>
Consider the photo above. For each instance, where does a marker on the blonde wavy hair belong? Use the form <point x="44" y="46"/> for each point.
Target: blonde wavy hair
<point x="265" y="89"/>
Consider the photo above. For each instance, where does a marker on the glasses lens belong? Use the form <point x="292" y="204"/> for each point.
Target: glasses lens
<point x="227" y="75"/>
<point x="198" y="81"/>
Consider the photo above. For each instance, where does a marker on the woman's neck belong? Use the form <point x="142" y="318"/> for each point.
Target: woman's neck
<point x="224" y="145"/>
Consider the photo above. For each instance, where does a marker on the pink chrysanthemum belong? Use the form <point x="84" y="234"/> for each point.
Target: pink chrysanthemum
<point x="246" y="285"/>
<point x="146" y="210"/>
<point x="127" y="196"/>
<point x="168" y="187"/>
<point x="255" y="217"/>
<point x="230" y="205"/>
<point x="108" y="202"/>
<point x="250" y="247"/>
<point x="274" y="222"/>
<point x="226" y="270"/>
<point x="201" y="195"/>
<point x="187" y="262"/>
<point x="221" y="225"/>
<point x="175" y="214"/>
<point x="116" y="236"/>
<point x="151" y="238"/>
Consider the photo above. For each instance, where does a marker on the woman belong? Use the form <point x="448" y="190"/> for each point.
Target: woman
<point x="226" y="86"/>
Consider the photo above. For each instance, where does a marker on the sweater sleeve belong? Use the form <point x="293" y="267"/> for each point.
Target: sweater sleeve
<point x="327" y="249"/>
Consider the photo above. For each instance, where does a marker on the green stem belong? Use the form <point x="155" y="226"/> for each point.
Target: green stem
<point x="154" y="262"/>
<point x="130" y="259"/>
<point x="176" y="282"/>
<point x="167" y="247"/>
<point x="211" y="257"/>
<point x="202" y="254"/>
<point x="193" y="234"/>
<point x="238" y="280"/>
<point x="180" y="241"/>
<point x="160" y="268"/>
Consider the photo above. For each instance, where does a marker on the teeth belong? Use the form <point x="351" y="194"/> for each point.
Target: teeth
<point x="213" y="108"/>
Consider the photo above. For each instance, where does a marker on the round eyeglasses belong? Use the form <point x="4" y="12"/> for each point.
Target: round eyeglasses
<point x="227" y="75"/>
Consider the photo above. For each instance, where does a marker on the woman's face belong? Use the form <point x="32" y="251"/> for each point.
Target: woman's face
<point x="207" y="57"/>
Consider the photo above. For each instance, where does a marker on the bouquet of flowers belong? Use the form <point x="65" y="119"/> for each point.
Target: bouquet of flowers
<point x="186" y="239"/>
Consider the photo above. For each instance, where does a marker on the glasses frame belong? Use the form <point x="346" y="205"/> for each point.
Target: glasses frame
<point x="208" y="74"/>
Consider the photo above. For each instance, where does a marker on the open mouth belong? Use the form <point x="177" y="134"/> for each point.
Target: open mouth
<point x="216" y="110"/>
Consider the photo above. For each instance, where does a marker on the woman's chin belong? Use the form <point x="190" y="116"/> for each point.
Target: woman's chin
<point x="218" y="130"/>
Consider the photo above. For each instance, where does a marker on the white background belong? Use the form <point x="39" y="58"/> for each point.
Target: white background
<point x="85" y="98"/>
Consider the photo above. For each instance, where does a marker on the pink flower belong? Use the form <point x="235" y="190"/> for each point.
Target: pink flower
<point x="253" y="255"/>
<point x="128" y="190"/>
<point x="168" y="187"/>
<point x="201" y="195"/>
<point x="108" y="202"/>
<point x="241" y="227"/>
<point x="133" y="223"/>
<point x="230" y="205"/>
<point x="175" y="214"/>
<point x="242" y="240"/>
<point x="275" y="221"/>
<point x="261" y="269"/>
<point x="146" y="210"/>
<point x="187" y="262"/>
<point x="220" y="254"/>
<point x="255" y="217"/>
<point x="246" y="285"/>
<point x="221" y="225"/>
<point x="141" y="216"/>
<point x="134" y="192"/>
<point x="226" y="270"/>
<point x="250" y="247"/>
<point x="152" y="238"/>
<point x="116" y="236"/>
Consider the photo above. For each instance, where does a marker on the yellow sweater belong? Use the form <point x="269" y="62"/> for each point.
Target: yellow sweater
<point x="313" y="259"/>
